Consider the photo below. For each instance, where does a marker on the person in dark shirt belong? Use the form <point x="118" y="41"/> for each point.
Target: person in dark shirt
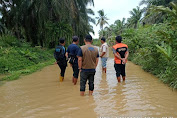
<point x="88" y="57"/>
<point x="71" y="53"/>
<point x="60" y="57"/>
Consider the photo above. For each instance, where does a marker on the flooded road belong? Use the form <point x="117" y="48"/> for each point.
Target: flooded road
<point x="41" y="95"/>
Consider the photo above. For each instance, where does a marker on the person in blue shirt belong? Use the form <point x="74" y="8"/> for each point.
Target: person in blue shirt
<point x="71" y="53"/>
<point x="60" y="57"/>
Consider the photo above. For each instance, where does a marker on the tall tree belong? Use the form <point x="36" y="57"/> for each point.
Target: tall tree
<point x="119" y="26"/>
<point x="33" y="17"/>
<point x="136" y="15"/>
<point x="102" y="19"/>
<point x="150" y="17"/>
<point x="156" y="2"/>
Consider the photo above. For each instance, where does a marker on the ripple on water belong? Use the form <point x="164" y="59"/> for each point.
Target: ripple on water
<point x="41" y="95"/>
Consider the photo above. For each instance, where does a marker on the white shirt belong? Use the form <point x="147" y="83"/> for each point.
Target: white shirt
<point x="104" y="48"/>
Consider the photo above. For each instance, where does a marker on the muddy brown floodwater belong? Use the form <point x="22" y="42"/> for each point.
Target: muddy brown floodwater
<point x="41" y="95"/>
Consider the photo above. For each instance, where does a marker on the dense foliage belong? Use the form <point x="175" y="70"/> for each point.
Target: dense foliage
<point x="42" y="22"/>
<point x="38" y="23"/>
<point x="152" y="42"/>
<point x="143" y="46"/>
<point x="16" y="55"/>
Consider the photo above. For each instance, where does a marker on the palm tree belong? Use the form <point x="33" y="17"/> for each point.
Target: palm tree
<point x="119" y="26"/>
<point x="136" y="15"/>
<point x="156" y="2"/>
<point x="108" y="32"/>
<point x="30" y="18"/>
<point x="151" y="17"/>
<point x="84" y="26"/>
<point x="169" y="38"/>
<point x="102" y="19"/>
<point x="2" y="29"/>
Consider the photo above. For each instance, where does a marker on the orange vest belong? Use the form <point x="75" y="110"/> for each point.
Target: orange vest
<point x="121" y="49"/>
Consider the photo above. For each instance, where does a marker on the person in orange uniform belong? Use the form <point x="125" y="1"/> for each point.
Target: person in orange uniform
<point x="121" y="53"/>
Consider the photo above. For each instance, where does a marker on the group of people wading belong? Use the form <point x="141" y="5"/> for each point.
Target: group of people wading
<point x="84" y="59"/>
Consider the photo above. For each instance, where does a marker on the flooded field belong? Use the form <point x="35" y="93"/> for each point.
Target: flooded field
<point x="41" y="95"/>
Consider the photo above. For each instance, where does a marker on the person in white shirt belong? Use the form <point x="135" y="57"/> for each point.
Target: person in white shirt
<point x="104" y="53"/>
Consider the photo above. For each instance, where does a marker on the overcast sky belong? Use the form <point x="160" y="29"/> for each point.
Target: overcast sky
<point x="114" y="10"/>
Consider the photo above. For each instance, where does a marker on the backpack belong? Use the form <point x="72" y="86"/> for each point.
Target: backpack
<point x="72" y="58"/>
<point x="58" y="54"/>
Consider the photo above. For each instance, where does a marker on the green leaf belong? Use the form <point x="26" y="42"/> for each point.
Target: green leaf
<point x="163" y="51"/>
<point x="169" y="51"/>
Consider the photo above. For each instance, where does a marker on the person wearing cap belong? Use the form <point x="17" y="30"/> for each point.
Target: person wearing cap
<point x="104" y="53"/>
<point x="121" y="54"/>
<point x="71" y="53"/>
<point x="60" y="57"/>
<point x="88" y="57"/>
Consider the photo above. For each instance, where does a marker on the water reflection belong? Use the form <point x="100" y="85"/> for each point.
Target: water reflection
<point x="108" y="94"/>
<point x="141" y="95"/>
<point x="40" y="95"/>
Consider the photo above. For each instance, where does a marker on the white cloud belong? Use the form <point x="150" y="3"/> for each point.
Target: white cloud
<point x="114" y="10"/>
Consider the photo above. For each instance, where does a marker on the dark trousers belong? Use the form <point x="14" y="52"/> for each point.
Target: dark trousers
<point x="62" y="68"/>
<point x="120" y="69"/>
<point x="75" y="70"/>
<point x="84" y="76"/>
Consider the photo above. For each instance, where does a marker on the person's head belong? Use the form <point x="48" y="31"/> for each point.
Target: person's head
<point x="62" y="41"/>
<point x="88" y="38"/>
<point x="118" y="39"/>
<point x="103" y="40"/>
<point x="75" y="39"/>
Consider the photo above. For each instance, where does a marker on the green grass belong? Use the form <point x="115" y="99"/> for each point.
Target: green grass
<point x="16" y="74"/>
<point x="19" y="58"/>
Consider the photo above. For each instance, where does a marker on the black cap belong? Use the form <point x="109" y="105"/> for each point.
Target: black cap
<point x="119" y="39"/>
<point x="103" y="39"/>
<point x="75" y="38"/>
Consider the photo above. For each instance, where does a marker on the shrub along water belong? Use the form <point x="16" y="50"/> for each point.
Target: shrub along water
<point x="152" y="39"/>
<point x="154" y="47"/>
<point x="18" y="57"/>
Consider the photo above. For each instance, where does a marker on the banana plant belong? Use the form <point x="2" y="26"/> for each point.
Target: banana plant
<point x="166" y="52"/>
<point x="169" y="38"/>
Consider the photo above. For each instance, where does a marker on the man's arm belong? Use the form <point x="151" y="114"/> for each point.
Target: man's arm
<point x="126" y="56"/>
<point x="104" y="51"/>
<point x="80" y="62"/>
<point x="103" y="54"/>
<point x="79" y="56"/>
<point x="115" y="54"/>
<point x="97" y="59"/>
<point x="66" y="54"/>
<point x="118" y="56"/>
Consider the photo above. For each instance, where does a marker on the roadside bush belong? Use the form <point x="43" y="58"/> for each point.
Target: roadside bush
<point x="17" y="55"/>
<point x="154" y="48"/>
